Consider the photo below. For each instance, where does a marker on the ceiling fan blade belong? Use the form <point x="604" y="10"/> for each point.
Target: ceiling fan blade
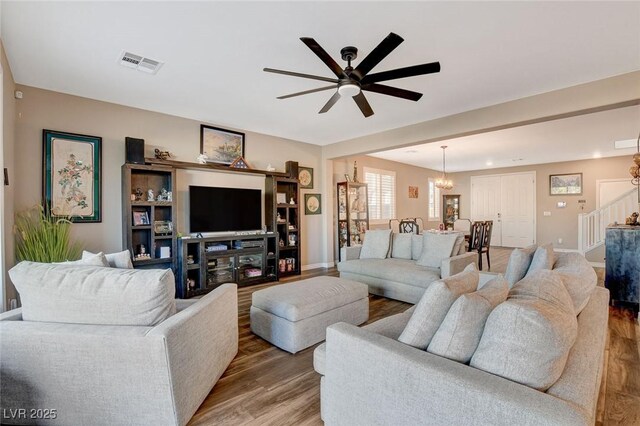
<point x="363" y="104"/>
<point x="306" y="92"/>
<point x="330" y="103"/>
<point x="414" y="70"/>
<point x="381" y="51"/>
<point x="324" y="56"/>
<point x="298" y="74"/>
<point x="392" y="91"/>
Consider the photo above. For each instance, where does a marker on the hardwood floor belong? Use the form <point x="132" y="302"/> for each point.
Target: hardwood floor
<point x="267" y="386"/>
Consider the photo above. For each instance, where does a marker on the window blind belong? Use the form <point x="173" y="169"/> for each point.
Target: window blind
<point x="381" y="186"/>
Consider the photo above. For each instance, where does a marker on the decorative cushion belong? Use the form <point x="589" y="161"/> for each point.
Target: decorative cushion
<point x="458" y="245"/>
<point x="578" y="277"/>
<point x="120" y="260"/>
<point x="91" y="259"/>
<point x="527" y="339"/>
<point x="460" y="332"/>
<point x="436" y="248"/>
<point x="94" y="295"/>
<point x="376" y="244"/>
<point x="401" y="248"/>
<point x="434" y="305"/>
<point x="519" y="262"/>
<point x="543" y="259"/>
<point x="416" y="246"/>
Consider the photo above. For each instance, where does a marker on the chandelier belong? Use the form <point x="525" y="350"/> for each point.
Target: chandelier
<point x="634" y="170"/>
<point x="443" y="183"/>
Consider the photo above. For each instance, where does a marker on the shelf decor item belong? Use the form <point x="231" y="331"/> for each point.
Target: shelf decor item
<point x="305" y="176"/>
<point x="220" y="145"/>
<point x="565" y="184"/>
<point x="140" y="218"/>
<point x="72" y="173"/>
<point x="312" y="204"/>
<point x="240" y="163"/>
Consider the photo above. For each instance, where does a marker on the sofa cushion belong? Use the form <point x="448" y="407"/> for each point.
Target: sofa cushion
<point x="94" y="295"/>
<point x="519" y="262"/>
<point x="120" y="259"/>
<point x="578" y="277"/>
<point x="527" y="339"/>
<point x="460" y="332"/>
<point x="401" y="247"/>
<point x="397" y="270"/>
<point x="92" y="259"/>
<point x="435" y="248"/>
<point x="543" y="259"/>
<point x="416" y="246"/>
<point x="434" y="305"/>
<point x="376" y="244"/>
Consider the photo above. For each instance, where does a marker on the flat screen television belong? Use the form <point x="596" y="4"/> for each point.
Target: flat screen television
<point x="213" y="209"/>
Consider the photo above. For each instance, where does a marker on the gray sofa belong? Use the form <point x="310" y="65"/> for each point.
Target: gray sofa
<point x="369" y="378"/>
<point x="115" y="374"/>
<point x="399" y="279"/>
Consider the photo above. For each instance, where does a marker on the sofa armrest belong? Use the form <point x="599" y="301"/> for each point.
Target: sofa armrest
<point x="350" y="253"/>
<point x="182" y="304"/>
<point x="454" y="265"/>
<point x="371" y="379"/>
<point x="12" y="315"/>
<point x="201" y="341"/>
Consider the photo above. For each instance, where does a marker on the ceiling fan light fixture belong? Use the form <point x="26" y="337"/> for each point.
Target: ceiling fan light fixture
<point x="349" y="89"/>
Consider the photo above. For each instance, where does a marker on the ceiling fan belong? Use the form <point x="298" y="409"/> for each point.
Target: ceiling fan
<point x="352" y="81"/>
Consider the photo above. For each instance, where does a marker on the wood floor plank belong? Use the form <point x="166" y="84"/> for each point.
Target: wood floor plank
<point x="267" y="386"/>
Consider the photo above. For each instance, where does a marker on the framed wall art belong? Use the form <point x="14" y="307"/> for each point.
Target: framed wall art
<point x="312" y="204"/>
<point x="221" y="146"/>
<point x="565" y="184"/>
<point x="72" y="175"/>
<point x="305" y="176"/>
<point x="413" y="192"/>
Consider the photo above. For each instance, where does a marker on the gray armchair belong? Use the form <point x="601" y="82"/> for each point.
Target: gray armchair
<point x="105" y="375"/>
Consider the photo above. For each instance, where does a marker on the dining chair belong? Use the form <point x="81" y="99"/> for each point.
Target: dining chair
<point x="485" y="243"/>
<point x="475" y="236"/>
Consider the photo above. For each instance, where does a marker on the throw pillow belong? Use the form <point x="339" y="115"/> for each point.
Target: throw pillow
<point x="458" y="245"/>
<point x="401" y="247"/>
<point x="92" y="259"/>
<point x="436" y="248"/>
<point x="578" y="277"/>
<point x="460" y="332"/>
<point x="543" y="259"/>
<point x="527" y="339"/>
<point x="434" y="305"/>
<point x="416" y="246"/>
<point x="519" y="262"/>
<point x="120" y="259"/>
<point x="376" y="244"/>
<point x="94" y="295"/>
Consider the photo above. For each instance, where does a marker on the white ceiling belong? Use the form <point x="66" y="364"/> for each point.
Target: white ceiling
<point x="214" y="53"/>
<point x="576" y="138"/>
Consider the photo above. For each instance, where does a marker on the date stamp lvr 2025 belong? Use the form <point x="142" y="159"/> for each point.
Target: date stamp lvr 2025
<point x="29" y="414"/>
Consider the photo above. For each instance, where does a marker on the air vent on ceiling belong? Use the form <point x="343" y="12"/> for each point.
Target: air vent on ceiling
<point x="131" y="60"/>
<point x="628" y="143"/>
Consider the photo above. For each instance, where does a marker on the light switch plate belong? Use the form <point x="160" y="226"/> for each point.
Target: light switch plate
<point x="547" y="213"/>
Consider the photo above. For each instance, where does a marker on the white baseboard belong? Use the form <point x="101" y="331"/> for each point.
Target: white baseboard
<point x="318" y="265"/>
<point x="562" y="250"/>
<point x="597" y="264"/>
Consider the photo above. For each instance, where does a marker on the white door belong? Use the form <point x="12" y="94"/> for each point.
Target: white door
<point x="485" y="203"/>
<point x="508" y="200"/>
<point x="517" y="211"/>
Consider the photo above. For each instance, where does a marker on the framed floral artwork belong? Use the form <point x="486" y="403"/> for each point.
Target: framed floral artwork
<point x="72" y="175"/>
<point x="220" y="145"/>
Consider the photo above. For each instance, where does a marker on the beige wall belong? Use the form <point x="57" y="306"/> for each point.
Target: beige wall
<point x="8" y="135"/>
<point x="563" y="222"/>
<point x="43" y="109"/>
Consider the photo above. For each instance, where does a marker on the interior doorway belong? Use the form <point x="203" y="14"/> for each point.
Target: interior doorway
<point x="510" y="201"/>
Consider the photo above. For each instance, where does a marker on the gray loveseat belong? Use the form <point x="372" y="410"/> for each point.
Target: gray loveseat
<point x="399" y="278"/>
<point x="115" y="374"/>
<point x="369" y="378"/>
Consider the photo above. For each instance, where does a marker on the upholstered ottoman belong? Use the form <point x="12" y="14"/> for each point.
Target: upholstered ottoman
<point x="296" y="316"/>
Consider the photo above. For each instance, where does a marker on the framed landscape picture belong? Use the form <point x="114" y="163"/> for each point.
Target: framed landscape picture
<point x="72" y="169"/>
<point x="565" y="184"/>
<point x="221" y="146"/>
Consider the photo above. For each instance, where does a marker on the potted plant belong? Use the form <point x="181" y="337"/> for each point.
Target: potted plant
<point x="41" y="237"/>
